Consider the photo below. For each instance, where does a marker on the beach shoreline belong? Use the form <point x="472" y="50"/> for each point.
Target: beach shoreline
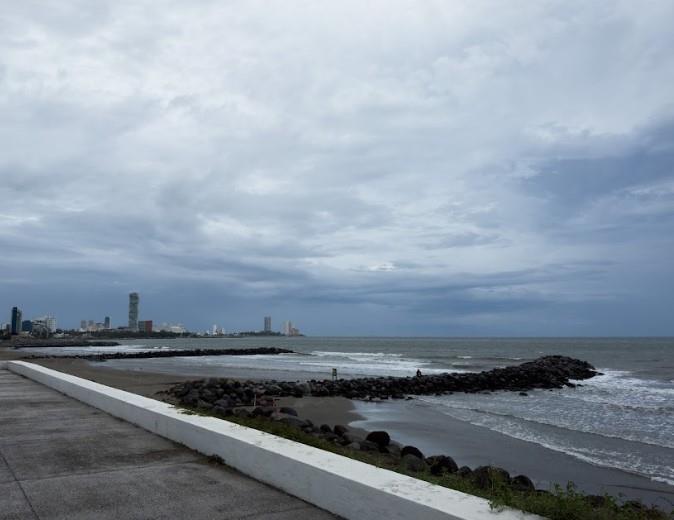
<point x="319" y="410"/>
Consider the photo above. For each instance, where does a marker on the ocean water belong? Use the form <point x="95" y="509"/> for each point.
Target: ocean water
<point x="623" y="419"/>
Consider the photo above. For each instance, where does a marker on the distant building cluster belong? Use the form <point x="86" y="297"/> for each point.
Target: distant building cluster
<point x="216" y="330"/>
<point x="289" y="330"/>
<point x="40" y="326"/>
<point x="46" y="325"/>
<point x="91" y="326"/>
<point x="178" y="328"/>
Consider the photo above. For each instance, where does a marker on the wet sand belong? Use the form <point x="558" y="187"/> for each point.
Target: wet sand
<point x="436" y="433"/>
<point x="142" y="383"/>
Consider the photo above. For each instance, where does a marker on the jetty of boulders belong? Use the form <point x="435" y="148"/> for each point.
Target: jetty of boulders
<point x="542" y="373"/>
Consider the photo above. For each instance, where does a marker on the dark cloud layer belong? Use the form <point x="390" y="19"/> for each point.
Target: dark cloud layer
<point x="394" y="168"/>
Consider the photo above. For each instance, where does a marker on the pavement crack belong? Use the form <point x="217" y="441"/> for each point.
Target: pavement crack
<point x="18" y="483"/>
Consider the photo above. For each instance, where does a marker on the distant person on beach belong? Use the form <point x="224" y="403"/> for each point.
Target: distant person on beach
<point x="418" y="372"/>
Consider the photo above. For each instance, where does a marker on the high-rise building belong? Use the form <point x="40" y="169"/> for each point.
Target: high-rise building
<point x="48" y="321"/>
<point x="83" y="324"/>
<point x="145" y="326"/>
<point x="106" y="323"/>
<point x="133" y="311"/>
<point x="287" y="328"/>
<point x="267" y="323"/>
<point x="27" y="326"/>
<point x="15" y="326"/>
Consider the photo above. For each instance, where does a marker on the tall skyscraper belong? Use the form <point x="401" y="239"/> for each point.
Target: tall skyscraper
<point x="133" y="311"/>
<point x="83" y="324"/>
<point x="267" y="323"/>
<point x="15" y="327"/>
<point x="106" y="323"/>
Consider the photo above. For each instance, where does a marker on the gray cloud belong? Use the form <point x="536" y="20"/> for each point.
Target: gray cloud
<point x="444" y="169"/>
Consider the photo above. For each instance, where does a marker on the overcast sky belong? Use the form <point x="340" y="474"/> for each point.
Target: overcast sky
<point x="381" y="167"/>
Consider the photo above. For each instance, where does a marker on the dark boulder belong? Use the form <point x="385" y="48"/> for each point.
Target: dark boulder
<point x="293" y="421"/>
<point x="464" y="472"/>
<point x="329" y="437"/>
<point x="368" y="446"/>
<point x="411" y="450"/>
<point x="340" y="430"/>
<point x="413" y="463"/>
<point x="191" y="399"/>
<point x="204" y="405"/>
<point x="488" y="477"/>
<point x="393" y="450"/>
<point x="222" y="412"/>
<point x="257" y="412"/>
<point x="350" y="437"/>
<point x="288" y="411"/>
<point x="325" y="428"/>
<point x="522" y="483"/>
<point x="224" y="403"/>
<point x="268" y="411"/>
<point x="380" y="438"/>
<point x="440" y="464"/>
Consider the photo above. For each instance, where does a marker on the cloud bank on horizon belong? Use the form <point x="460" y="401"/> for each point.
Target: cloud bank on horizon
<point x="392" y="167"/>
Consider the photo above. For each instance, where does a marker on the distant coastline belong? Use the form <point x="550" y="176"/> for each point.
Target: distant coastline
<point x="99" y="338"/>
<point x="29" y="342"/>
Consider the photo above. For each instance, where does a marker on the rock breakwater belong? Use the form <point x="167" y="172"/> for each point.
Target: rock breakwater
<point x="545" y="372"/>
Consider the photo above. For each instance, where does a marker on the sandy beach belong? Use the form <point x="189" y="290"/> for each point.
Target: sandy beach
<point x="319" y="410"/>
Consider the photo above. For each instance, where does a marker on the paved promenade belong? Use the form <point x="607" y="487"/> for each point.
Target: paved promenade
<point x="61" y="459"/>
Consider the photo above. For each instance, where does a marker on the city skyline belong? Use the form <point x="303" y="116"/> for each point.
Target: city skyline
<point x="134" y="324"/>
<point x="450" y="169"/>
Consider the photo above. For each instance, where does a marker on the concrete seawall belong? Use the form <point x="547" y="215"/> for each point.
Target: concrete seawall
<point x="343" y="486"/>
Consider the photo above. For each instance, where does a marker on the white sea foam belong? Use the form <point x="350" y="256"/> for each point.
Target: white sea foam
<point x="356" y="356"/>
<point x="618" y="389"/>
<point x="348" y="364"/>
<point x="615" y="420"/>
<point x="95" y="349"/>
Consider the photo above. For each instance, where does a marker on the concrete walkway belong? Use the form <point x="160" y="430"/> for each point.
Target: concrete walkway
<point x="62" y="459"/>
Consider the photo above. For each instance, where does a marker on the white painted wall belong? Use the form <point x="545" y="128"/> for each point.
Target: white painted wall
<point x="346" y="487"/>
